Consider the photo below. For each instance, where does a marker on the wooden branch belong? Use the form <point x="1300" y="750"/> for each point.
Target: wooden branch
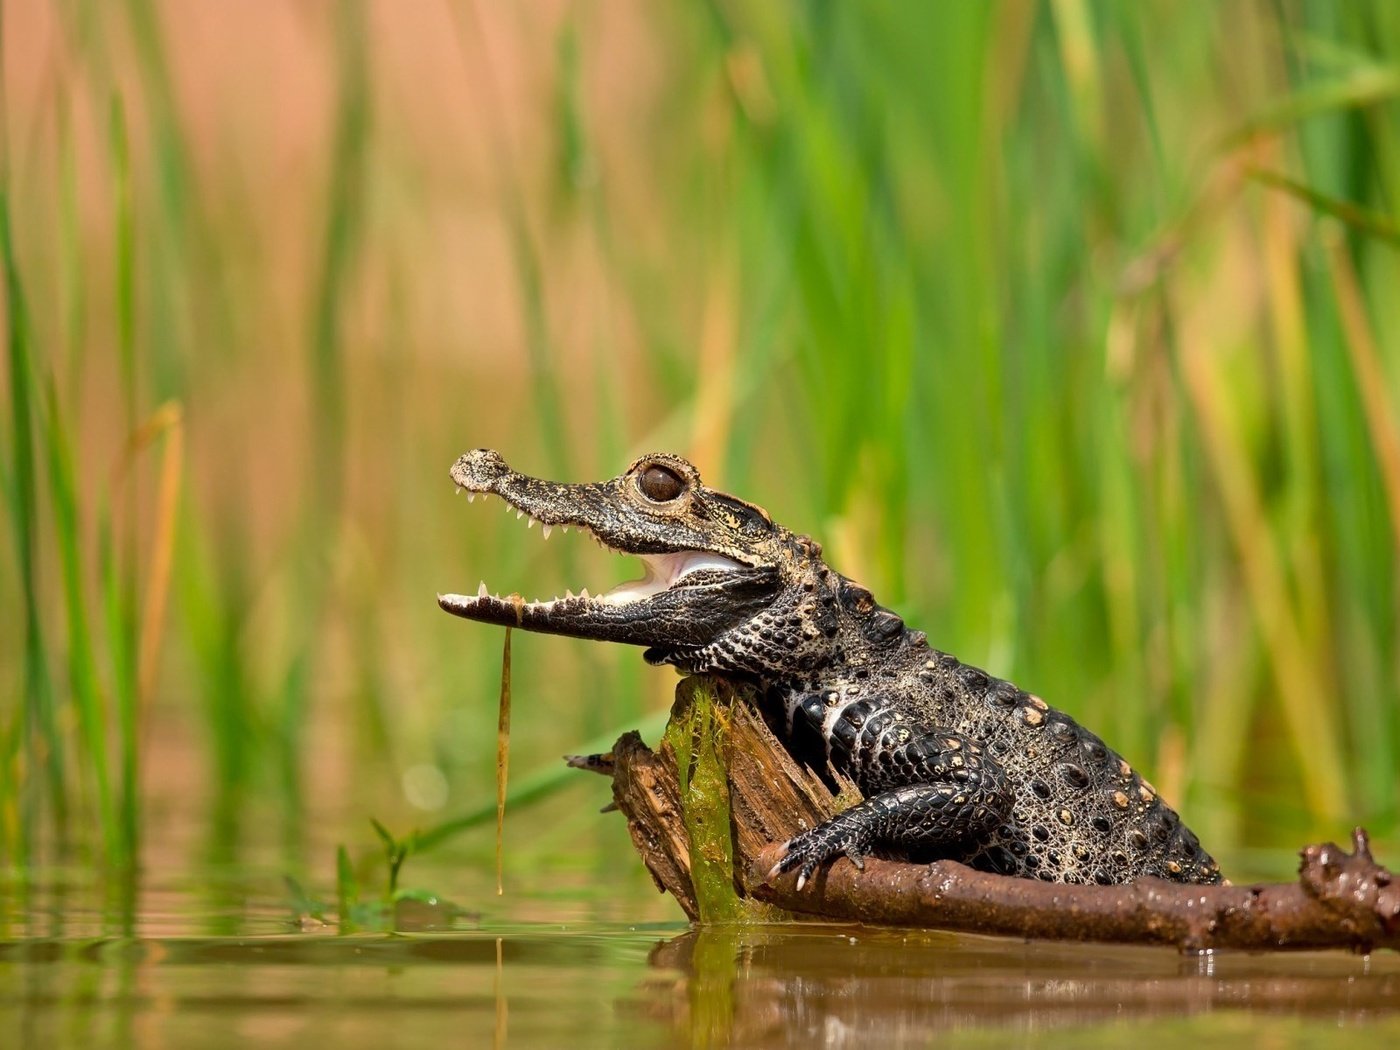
<point x="1341" y="899"/>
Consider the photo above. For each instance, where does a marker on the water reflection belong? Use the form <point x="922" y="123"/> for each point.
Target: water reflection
<point x="519" y="987"/>
<point x="843" y="985"/>
<point x="586" y="984"/>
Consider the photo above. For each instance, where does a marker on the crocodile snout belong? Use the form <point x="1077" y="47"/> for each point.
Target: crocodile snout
<point x="479" y="469"/>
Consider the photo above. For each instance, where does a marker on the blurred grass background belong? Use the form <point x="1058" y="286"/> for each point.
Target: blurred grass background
<point x="1064" y="325"/>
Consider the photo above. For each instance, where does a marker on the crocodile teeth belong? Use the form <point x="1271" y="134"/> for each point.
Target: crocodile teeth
<point x="661" y="571"/>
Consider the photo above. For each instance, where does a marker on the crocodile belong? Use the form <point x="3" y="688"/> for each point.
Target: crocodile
<point x="952" y="761"/>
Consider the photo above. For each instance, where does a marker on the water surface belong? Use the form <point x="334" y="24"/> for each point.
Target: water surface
<point x="558" y="968"/>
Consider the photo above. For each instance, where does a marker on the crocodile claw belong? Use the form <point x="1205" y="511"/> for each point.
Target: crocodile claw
<point x="826" y="842"/>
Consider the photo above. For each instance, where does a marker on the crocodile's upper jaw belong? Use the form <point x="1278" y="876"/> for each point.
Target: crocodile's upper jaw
<point x="701" y="577"/>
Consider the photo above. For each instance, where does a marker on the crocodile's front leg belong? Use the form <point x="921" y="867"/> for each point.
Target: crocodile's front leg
<point x="924" y="787"/>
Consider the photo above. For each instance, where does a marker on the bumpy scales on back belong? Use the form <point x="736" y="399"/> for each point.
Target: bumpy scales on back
<point x="952" y="762"/>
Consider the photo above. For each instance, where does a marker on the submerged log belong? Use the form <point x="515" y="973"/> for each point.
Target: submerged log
<point x="711" y="848"/>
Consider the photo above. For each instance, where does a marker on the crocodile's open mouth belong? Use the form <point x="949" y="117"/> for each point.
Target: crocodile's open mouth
<point x="689" y="594"/>
<point x="661" y="573"/>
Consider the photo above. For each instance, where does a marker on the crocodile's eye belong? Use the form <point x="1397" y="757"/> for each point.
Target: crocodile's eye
<point x="659" y="484"/>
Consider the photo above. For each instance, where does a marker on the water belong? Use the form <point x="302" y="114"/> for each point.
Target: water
<point x="554" y="966"/>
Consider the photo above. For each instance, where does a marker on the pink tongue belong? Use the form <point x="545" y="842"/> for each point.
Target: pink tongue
<point x="636" y="590"/>
<point x="662" y="571"/>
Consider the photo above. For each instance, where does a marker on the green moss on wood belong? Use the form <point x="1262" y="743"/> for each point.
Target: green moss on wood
<point x="697" y="733"/>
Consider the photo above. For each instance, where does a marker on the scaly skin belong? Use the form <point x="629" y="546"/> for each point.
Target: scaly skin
<point x="952" y="762"/>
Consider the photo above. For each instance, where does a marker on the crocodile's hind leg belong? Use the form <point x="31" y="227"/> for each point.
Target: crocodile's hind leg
<point x="924" y="789"/>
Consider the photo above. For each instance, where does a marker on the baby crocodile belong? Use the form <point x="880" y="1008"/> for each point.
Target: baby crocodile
<point x="952" y="762"/>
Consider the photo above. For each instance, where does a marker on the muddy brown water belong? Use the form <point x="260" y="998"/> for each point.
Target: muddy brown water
<point x="553" y="968"/>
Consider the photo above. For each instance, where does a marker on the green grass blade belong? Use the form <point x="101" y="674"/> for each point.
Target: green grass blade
<point x="82" y="662"/>
<point x="1372" y="224"/>
<point x="43" y="748"/>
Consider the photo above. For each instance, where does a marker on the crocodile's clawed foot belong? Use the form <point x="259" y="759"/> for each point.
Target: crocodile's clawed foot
<point x="838" y="837"/>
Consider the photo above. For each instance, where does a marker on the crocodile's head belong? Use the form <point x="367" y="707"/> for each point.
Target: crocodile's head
<point x="724" y="587"/>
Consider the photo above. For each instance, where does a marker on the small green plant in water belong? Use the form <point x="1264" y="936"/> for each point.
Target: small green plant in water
<point x="347" y="889"/>
<point x="396" y="851"/>
<point x="386" y="912"/>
